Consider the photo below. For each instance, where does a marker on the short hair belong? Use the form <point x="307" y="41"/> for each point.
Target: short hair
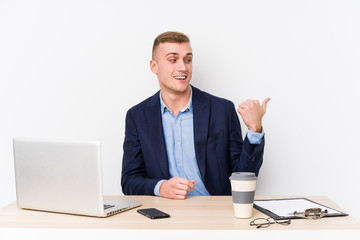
<point x="170" y="36"/>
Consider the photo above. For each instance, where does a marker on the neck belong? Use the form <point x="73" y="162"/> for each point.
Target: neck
<point x="176" y="102"/>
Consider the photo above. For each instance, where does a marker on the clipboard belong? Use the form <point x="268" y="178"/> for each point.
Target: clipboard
<point x="284" y="208"/>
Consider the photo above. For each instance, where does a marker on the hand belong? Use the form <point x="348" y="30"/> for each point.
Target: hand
<point x="176" y="188"/>
<point x="252" y="113"/>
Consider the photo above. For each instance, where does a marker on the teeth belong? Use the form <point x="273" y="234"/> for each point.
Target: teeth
<point x="181" y="78"/>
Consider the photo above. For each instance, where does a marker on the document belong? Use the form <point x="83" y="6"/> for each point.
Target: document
<point x="284" y="208"/>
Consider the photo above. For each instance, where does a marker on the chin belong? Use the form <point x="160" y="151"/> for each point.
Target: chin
<point x="183" y="89"/>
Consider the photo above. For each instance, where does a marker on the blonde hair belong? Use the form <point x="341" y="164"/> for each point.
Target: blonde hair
<point x="170" y="36"/>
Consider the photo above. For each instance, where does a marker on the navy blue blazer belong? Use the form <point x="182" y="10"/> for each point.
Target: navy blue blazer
<point x="219" y="147"/>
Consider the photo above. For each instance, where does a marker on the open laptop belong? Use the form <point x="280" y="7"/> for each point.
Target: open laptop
<point x="64" y="177"/>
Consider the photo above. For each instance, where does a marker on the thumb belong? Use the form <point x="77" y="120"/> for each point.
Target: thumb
<point x="192" y="185"/>
<point x="264" y="104"/>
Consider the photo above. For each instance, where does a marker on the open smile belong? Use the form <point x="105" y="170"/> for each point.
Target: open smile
<point x="180" y="77"/>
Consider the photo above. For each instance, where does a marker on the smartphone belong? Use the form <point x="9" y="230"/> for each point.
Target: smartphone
<point x="153" y="213"/>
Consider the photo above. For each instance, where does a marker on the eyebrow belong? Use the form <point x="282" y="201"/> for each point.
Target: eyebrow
<point x="175" y="53"/>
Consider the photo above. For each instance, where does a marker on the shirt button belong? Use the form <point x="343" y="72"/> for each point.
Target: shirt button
<point x="178" y="142"/>
<point x="177" y="121"/>
<point x="179" y="164"/>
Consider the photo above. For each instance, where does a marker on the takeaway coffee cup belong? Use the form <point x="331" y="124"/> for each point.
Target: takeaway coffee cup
<point x="243" y="192"/>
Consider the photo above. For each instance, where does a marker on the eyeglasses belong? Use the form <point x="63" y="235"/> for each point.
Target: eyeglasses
<point x="266" y="222"/>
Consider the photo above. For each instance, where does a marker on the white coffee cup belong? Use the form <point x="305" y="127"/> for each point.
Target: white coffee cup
<point x="243" y="186"/>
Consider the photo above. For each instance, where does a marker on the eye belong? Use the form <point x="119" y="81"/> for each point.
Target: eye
<point x="172" y="60"/>
<point x="188" y="60"/>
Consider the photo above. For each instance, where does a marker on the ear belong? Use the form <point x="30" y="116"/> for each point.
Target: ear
<point x="154" y="66"/>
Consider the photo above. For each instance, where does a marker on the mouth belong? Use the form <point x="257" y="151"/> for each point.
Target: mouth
<point x="181" y="78"/>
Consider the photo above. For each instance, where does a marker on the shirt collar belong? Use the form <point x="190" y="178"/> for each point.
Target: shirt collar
<point x="164" y="108"/>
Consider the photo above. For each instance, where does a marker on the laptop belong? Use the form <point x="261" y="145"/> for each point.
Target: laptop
<point x="63" y="177"/>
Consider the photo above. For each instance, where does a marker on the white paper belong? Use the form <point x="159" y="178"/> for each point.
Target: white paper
<point x="286" y="207"/>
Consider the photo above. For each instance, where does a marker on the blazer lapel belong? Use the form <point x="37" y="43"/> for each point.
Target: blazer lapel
<point x="156" y="134"/>
<point x="201" y="106"/>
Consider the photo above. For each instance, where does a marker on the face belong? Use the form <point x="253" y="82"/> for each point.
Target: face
<point x="172" y="64"/>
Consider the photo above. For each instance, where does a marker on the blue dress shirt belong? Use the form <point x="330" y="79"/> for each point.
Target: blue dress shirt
<point x="179" y="141"/>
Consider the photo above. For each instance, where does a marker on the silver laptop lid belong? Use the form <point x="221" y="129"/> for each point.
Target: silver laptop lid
<point x="59" y="176"/>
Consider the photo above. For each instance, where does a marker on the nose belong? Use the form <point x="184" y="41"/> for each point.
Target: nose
<point x="181" y="66"/>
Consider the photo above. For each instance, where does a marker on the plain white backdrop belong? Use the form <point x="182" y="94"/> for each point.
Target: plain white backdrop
<point x="71" y="70"/>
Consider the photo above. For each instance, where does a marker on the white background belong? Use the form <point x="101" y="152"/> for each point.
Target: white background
<point x="71" y="70"/>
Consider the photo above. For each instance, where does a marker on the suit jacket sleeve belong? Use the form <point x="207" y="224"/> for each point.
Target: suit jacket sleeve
<point x="134" y="180"/>
<point x="244" y="156"/>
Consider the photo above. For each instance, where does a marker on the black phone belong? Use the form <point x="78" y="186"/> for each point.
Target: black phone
<point x="153" y="213"/>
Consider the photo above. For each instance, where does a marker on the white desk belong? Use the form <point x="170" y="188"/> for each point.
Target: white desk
<point x="193" y="213"/>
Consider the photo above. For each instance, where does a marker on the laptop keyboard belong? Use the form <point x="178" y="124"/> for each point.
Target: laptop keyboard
<point x="107" y="206"/>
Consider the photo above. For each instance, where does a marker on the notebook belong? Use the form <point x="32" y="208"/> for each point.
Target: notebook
<point x="64" y="177"/>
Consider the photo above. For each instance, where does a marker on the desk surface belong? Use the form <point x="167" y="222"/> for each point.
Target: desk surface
<point x="193" y="213"/>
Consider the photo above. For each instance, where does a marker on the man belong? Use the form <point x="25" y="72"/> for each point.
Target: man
<point x="182" y="141"/>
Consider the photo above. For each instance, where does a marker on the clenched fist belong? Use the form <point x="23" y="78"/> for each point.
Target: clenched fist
<point x="176" y="188"/>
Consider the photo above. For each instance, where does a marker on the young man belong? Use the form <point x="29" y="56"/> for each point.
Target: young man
<point x="182" y="141"/>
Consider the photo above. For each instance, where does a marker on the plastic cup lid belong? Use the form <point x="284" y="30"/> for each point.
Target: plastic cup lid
<point x="248" y="176"/>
